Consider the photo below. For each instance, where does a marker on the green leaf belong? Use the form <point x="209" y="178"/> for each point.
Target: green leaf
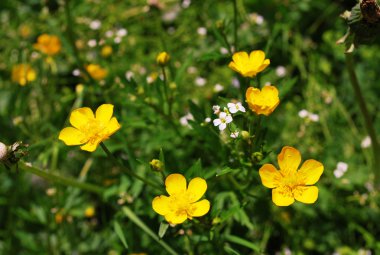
<point x="120" y="234"/>
<point x="242" y="242"/>
<point x="225" y="170"/>
<point x="162" y="230"/>
<point x="135" y="219"/>
<point x="195" y="170"/>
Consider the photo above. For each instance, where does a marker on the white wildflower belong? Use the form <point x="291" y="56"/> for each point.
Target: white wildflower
<point x="234" y="108"/>
<point x="223" y="120"/>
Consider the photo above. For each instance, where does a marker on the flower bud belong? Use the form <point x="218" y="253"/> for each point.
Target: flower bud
<point x="157" y="165"/>
<point x="257" y="156"/>
<point x="163" y="58"/>
<point x="245" y="135"/>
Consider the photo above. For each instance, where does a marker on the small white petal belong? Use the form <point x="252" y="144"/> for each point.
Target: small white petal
<point x="217" y="122"/>
<point x="222" y="126"/>
<point x="232" y="109"/>
<point x="230" y="105"/>
<point x="222" y="115"/>
<point x="228" y="118"/>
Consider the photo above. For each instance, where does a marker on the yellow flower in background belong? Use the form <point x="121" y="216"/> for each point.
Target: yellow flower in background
<point x="89" y="129"/>
<point x="96" y="71"/>
<point x="289" y="183"/>
<point x="264" y="101"/>
<point x="48" y="44"/>
<point x="181" y="204"/>
<point x="89" y="212"/>
<point x="106" y="51"/>
<point x="249" y="66"/>
<point x="23" y="74"/>
<point x="163" y="58"/>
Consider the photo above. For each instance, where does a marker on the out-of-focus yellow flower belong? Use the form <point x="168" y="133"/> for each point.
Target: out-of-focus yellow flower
<point x="24" y="30"/>
<point x="249" y="66"/>
<point x="58" y="217"/>
<point x="89" y="212"/>
<point x="163" y="58"/>
<point x="181" y="204"/>
<point x="79" y="88"/>
<point x="90" y="129"/>
<point x="289" y="183"/>
<point x="157" y="165"/>
<point x="23" y="73"/>
<point x="48" y="44"/>
<point x="96" y="71"/>
<point x="264" y="101"/>
<point x="106" y="51"/>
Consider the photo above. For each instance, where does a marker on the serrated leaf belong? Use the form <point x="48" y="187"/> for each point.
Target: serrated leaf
<point x="120" y="234"/>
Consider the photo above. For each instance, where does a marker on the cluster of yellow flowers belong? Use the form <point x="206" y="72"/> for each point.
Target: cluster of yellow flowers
<point x="288" y="183"/>
<point x="50" y="45"/>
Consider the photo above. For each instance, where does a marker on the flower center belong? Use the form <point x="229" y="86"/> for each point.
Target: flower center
<point x="93" y="131"/>
<point x="181" y="204"/>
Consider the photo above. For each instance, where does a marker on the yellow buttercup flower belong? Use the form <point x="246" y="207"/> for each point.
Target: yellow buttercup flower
<point x="181" y="204"/>
<point x="48" y="44"/>
<point x="89" y="129"/>
<point x="264" y="101"/>
<point x="106" y="51"/>
<point x="249" y="66"/>
<point x="163" y="58"/>
<point x="289" y="183"/>
<point x="23" y="73"/>
<point x="89" y="212"/>
<point x="96" y="71"/>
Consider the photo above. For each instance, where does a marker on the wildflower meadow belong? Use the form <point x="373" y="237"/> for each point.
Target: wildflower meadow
<point x="189" y="127"/>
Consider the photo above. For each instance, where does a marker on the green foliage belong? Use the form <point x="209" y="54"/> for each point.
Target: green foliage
<point x="166" y="119"/>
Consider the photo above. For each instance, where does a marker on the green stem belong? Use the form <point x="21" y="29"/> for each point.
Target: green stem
<point x="235" y="25"/>
<point x="167" y="97"/>
<point x="367" y="117"/>
<point x="60" y="179"/>
<point x="128" y="171"/>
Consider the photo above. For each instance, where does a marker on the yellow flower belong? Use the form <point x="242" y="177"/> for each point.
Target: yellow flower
<point x="89" y="212"/>
<point x="23" y="73"/>
<point x="96" y="71"/>
<point x="181" y="204"/>
<point x="264" y="101"/>
<point x="249" y="66"/>
<point x="289" y="183"/>
<point x="48" y="44"/>
<point x="106" y="51"/>
<point x="90" y="129"/>
<point x="163" y="58"/>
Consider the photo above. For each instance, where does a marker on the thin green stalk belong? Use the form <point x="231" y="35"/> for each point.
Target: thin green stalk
<point x="167" y="97"/>
<point x="60" y="179"/>
<point x="235" y="25"/>
<point x="367" y="117"/>
<point x="128" y="171"/>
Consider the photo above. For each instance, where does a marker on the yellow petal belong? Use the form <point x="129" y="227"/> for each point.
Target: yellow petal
<point x="92" y="145"/>
<point x="174" y="218"/>
<point x="240" y="57"/>
<point x="112" y="126"/>
<point x="200" y="208"/>
<point x="306" y="194"/>
<point x="289" y="159"/>
<point x="175" y="184"/>
<point x="197" y="187"/>
<point x="72" y="136"/>
<point x="233" y="66"/>
<point x="161" y="205"/>
<point x="282" y="197"/>
<point x="81" y="116"/>
<point x="269" y="176"/>
<point x="256" y="59"/>
<point x="264" y="65"/>
<point x="104" y="112"/>
<point x="310" y="171"/>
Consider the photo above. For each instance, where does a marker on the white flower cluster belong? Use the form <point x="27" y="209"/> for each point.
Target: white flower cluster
<point x="310" y="116"/>
<point x="341" y="168"/>
<point x="225" y="116"/>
